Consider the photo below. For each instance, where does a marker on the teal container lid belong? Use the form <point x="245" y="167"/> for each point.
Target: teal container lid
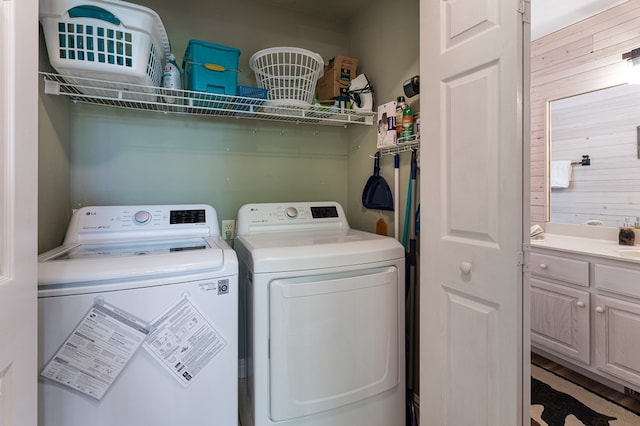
<point x="212" y="46"/>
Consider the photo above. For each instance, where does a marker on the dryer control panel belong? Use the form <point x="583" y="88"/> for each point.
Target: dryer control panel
<point x="273" y="217"/>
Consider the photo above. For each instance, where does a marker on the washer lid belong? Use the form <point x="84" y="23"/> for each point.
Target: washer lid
<point x="303" y="250"/>
<point x="118" y="260"/>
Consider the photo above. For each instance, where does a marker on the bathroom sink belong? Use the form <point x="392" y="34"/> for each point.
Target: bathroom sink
<point x="629" y="252"/>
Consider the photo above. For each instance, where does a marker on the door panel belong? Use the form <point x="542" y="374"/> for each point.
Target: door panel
<point x="467" y="18"/>
<point x="333" y="341"/>
<point x="472" y="209"/>
<point x="472" y="329"/>
<point x="471" y="345"/>
<point x="18" y="219"/>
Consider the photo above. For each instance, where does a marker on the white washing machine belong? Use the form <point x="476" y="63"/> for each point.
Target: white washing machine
<point x="138" y="320"/>
<point x="324" y="323"/>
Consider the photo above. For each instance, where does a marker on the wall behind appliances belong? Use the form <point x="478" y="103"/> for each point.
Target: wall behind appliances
<point x="54" y="161"/>
<point x="128" y="157"/>
<point x="384" y="37"/>
<point x="123" y="157"/>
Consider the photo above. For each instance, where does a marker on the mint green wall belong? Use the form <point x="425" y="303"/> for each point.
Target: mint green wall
<point x="54" y="164"/>
<point x="128" y="157"/>
<point x="100" y="155"/>
<point x="385" y="39"/>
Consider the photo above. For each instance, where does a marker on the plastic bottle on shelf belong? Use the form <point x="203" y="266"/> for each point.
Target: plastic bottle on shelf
<point x="407" y="123"/>
<point x="400" y="106"/>
<point x="171" y="78"/>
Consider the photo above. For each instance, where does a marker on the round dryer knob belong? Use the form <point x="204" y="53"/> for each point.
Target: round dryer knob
<point x="142" y="217"/>
<point x="291" y="212"/>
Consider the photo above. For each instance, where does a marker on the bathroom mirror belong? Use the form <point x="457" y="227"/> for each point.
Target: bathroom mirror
<point x="605" y="125"/>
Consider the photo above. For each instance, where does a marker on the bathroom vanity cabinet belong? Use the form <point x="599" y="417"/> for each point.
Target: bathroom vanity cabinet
<point x="560" y="305"/>
<point x="585" y="310"/>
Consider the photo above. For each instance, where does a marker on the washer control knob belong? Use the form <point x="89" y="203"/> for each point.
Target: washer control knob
<point x="142" y="217"/>
<point x="291" y="212"/>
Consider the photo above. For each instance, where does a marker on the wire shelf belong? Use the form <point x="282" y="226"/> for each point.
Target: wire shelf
<point x="187" y="102"/>
<point x="410" y="143"/>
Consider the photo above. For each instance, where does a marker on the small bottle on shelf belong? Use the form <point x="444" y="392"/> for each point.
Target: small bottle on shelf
<point x="171" y="79"/>
<point x="407" y="123"/>
<point x="400" y="106"/>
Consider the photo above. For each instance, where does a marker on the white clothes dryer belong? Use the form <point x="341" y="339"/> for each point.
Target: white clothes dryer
<point x="138" y="320"/>
<point x="324" y="319"/>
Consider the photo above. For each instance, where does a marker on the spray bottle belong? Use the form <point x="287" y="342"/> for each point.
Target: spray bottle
<point x="171" y="78"/>
<point x="407" y="123"/>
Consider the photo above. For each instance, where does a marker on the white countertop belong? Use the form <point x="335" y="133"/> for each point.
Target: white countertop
<point x="588" y="246"/>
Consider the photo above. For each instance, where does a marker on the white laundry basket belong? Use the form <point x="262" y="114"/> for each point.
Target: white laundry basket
<point x="108" y="40"/>
<point x="289" y="74"/>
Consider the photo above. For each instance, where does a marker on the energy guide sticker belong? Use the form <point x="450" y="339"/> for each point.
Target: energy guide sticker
<point x="184" y="341"/>
<point x="95" y="353"/>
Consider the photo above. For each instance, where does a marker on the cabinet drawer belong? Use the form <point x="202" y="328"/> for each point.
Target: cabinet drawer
<point x="617" y="279"/>
<point x="560" y="268"/>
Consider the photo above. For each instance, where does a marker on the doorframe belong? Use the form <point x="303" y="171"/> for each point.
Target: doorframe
<point x="526" y="211"/>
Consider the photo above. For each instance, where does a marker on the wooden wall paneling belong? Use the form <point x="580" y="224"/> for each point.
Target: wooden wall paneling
<point x="581" y="58"/>
<point x="562" y="53"/>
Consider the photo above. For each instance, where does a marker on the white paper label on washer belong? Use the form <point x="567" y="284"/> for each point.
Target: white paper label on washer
<point x="184" y="341"/>
<point x="95" y="353"/>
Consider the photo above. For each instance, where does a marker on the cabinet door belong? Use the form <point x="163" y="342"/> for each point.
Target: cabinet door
<point x="560" y="319"/>
<point x="617" y="335"/>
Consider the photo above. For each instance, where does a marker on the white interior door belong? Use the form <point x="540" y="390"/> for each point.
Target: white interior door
<point x="472" y="150"/>
<point x="18" y="201"/>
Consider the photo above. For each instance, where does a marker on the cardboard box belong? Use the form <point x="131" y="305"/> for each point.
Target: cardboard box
<point x="338" y="73"/>
<point x="387" y="135"/>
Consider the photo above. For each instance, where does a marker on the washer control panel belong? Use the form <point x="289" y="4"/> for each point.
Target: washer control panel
<point x="270" y="217"/>
<point x="161" y="219"/>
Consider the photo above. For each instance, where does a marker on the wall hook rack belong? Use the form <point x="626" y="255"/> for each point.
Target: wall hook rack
<point x="414" y="145"/>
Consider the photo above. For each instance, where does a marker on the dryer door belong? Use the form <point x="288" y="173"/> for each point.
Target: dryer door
<point x="334" y="340"/>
